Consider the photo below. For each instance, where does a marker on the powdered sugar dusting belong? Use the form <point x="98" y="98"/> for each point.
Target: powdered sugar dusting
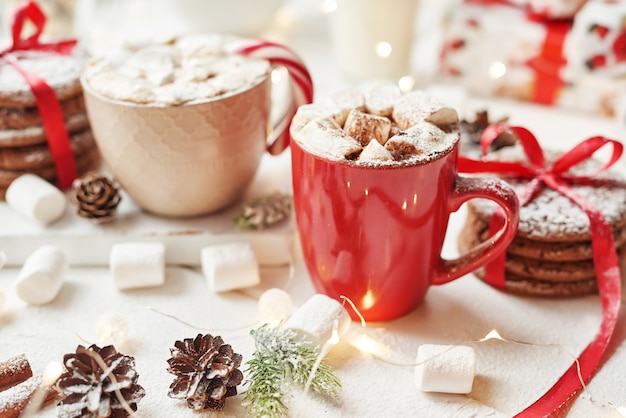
<point x="61" y="72"/>
<point x="16" y="398"/>
<point x="14" y="371"/>
<point x="550" y="216"/>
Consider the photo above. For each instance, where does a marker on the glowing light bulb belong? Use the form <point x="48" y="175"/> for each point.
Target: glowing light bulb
<point x="328" y="6"/>
<point x="278" y="74"/>
<point x="497" y="70"/>
<point x="383" y="49"/>
<point x="406" y="83"/>
<point x="52" y="372"/>
<point x="492" y="335"/>
<point x="284" y="18"/>
<point x="366" y="344"/>
<point x="112" y="329"/>
<point x="368" y="299"/>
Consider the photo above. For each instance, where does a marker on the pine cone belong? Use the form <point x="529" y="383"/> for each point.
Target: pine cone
<point x="264" y="211"/>
<point x="96" y="197"/>
<point x="92" y="392"/>
<point x="206" y="372"/>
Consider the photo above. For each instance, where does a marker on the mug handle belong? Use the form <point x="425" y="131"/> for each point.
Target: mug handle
<point x="301" y="84"/>
<point x="466" y="188"/>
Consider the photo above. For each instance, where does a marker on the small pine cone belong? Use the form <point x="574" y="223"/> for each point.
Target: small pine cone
<point x="206" y="372"/>
<point x="96" y="197"/>
<point x="90" y="391"/>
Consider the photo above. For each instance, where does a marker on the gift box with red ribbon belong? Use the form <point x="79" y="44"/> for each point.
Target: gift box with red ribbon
<point x="500" y="48"/>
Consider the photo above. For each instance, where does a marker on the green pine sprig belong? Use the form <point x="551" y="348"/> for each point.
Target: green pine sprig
<point x="281" y="356"/>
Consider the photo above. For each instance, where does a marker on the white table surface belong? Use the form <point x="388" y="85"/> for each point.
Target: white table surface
<point x="509" y="376"/>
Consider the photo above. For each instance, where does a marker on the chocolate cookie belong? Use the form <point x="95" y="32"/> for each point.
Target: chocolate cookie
<point x="33" y="135"/>
<point x="552" y="254"/>
<point x="88" y="161"/>
<point x="531" y="287"/>
<point x="25" y="117"/>
<point x="38" y="156"/>
<point x="541" y="250"/>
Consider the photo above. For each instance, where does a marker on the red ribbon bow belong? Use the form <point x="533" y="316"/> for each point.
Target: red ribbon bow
<point x="605" y="258"/>
<point x="48" y="104"/>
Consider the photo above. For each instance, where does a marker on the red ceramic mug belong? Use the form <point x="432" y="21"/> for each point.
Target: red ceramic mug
<point x="375" y="234"/>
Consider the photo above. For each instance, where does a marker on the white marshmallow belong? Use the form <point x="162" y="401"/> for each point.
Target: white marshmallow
<point x="42" y="275"/>
<point x="444" y="368"/>
<point x="137" y="264"/>
<point x="317" y="319"/>
<point x="230" y="266"/>
<point x="35" y="198"/>
<point x="275" y="306"/>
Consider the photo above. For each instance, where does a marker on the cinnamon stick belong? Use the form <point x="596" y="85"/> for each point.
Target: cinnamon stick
<point x="13" y="371"/>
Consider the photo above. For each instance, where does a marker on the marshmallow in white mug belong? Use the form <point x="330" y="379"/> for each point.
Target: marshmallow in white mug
<point x="36" y="199"/>
<point x="230" y="266"/>
<point x="318" y="317"/>
<point x="42" y="275"/>
<point x="137" y="264"/>
<point x="444" y="368"/>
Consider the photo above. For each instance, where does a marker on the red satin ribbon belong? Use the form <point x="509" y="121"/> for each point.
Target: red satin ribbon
<point x="605" y="258"/>
<point x="548" y="64"/>
<point x="47" y="103"/>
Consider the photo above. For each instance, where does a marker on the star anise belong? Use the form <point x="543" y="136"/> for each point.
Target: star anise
<point x="98" y="383"/>
<point x="206" y="372"/>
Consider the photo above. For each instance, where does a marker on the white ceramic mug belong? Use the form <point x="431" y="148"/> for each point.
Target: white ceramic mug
<point x="191" y="159"/>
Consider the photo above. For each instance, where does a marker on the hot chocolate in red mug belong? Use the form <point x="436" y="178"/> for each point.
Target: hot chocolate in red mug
<point x="375" y="181"/>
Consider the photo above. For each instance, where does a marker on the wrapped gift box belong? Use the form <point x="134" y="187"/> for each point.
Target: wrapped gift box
<point x="502" y="50"/>
<point x="551" y="9"/>
<point x="597" y="42"/>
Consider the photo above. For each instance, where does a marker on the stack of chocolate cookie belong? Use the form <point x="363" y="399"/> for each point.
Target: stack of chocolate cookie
<point x="551" y="254"/>
<point x="23" y="142"/>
